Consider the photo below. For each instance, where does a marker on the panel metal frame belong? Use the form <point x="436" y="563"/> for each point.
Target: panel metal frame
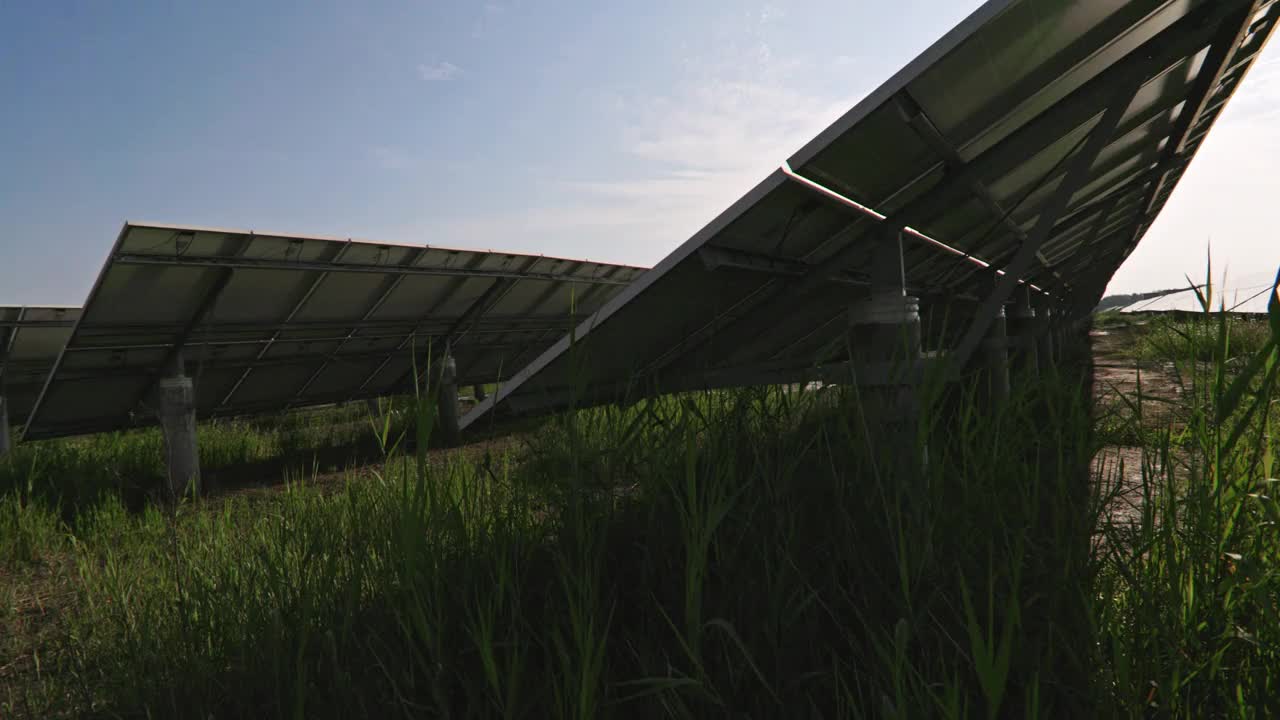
<point x="1063" y="229"/>
<point x="198" y="328"/>
<point x="10" y="333"/>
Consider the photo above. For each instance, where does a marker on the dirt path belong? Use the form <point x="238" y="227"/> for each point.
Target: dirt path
<point x="1117" y="371"/>
<point x="1117" y="374"/>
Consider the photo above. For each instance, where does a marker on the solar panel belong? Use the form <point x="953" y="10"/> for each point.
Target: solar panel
<point x="266" y="321"/>
<point x="30" y="339"/>
<point x="1035" y="143"/>
<point x="1253" y="300"/>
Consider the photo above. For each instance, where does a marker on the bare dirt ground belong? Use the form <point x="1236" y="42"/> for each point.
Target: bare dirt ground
<point x="1117" y="374"/>
<point x="1116" y="371"/>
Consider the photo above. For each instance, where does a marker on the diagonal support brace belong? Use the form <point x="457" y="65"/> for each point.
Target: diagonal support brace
<point x="1076" y="176"/>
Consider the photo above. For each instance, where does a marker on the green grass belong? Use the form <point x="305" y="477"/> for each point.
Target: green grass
<point x="75" y="473"/>
<point x="738" y="553"/>
<point x="1178" y="340"/>
<point x="1188" y="589"/>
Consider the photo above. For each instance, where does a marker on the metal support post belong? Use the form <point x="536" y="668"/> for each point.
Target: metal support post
<point x="1058" y="326"/>
<point x="995" y="367"/>
<point x="178" y="422"/>
<point x="1022" y="330"/>
<point x="480" y="393"/>
<point x="1046" y="349"/>
<point x="1051" y="211"/>
<point x="448" y="400"/>
<point x="4" y="426"/>
<point x="6" y="341"/>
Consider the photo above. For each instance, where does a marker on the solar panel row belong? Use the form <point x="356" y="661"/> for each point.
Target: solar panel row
<point x="270" y="321"/>
<point x="30" y="339"/>
<point x="1254" y="300"/>
<point x="1026" y="152"/>
<point x="1042" y="137"/>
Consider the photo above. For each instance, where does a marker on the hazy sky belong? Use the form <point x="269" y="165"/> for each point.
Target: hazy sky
<point x="587" y="129"/>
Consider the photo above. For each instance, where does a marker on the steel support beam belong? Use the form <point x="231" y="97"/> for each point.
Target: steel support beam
<point x="916" y="118"/>
<point x="1119" y="22"/>
<point x="1049" y="214"/>
<point x="543" y="298"/>
<point x="1167" y="165"/>
<point x="466" y="274"/>
<point x="297" y="307"/>
<point x="1089" y="207"/>
<point x="311" y="265"/>
<point x="388" y="288"/>
<point x="450" y="336"/>
<point x="461" y="326"/>
<point x="475" y="332"/>
<point x="516" y="361"/>
<point x="1072" y="111"/>
<point x="207" y="303"/>
<point x="1216" y="64"/>
<point x="1153" y="57"/>
<point x="280" y="361"/>
<point x="769" y="373"/>
<point x="1232" y="30"/>
<point x="35" y="323"/>
<point x="717" y="258"/>
<point x="546" y="295"/>
<point x="595" y="288"/>
<point x="1101" y="222"/>
<point x="790" y="280"/>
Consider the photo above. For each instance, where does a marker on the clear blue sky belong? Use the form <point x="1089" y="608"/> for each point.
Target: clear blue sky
<point x="586" y="129"/>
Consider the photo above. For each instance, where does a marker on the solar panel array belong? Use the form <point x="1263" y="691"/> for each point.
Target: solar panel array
<point x="1041" y="138"/>
<point x="1254" y="300"/>
<point x="1032" y="146"/>
<point x="30" y="339"/>
<point x="270" y="321"/>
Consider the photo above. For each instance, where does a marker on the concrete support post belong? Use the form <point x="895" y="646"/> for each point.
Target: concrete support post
<point x="4" y="426"/>
<point x="178" y="422"/>
<point x="371" y="405"/>
<point x="1022" y="330"/>
<point x="447" y="400"/>
<point x="995" y="361"/>
<point x="885" y="330"/>
<point x="885" y="355"/>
